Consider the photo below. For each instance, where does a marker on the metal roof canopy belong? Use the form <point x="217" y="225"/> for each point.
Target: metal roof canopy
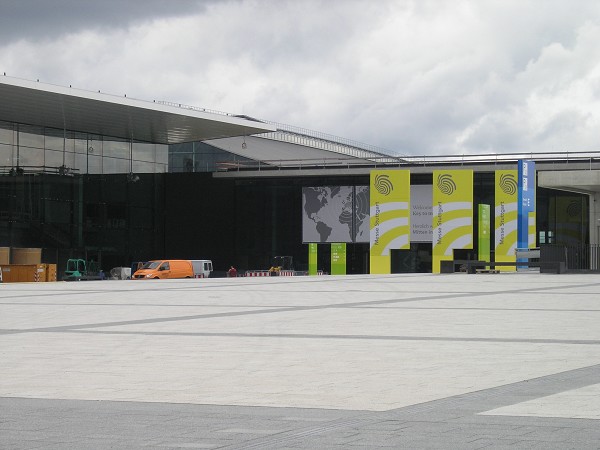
<point x="39" y="104"/>
<point x="282" y="154"/>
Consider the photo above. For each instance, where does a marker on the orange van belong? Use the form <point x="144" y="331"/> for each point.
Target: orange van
<point x="165" y="268"/>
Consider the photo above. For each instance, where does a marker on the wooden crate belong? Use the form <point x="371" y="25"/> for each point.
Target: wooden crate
<point x="25" y="273"/>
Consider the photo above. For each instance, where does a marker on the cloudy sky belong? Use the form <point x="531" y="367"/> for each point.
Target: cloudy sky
<point x="419" y="77"/>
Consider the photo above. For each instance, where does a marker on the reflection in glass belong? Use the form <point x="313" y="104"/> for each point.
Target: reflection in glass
<point x="50" y="148"/>
<point x="6" y="155"/>
<point x="31" y="157"/>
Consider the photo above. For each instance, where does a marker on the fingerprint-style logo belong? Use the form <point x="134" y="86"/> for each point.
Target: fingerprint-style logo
<point x="383" y="184"/>
<point x="508" y="184"/>
<point x="446" y="184"/>
<point x="574" y="208"/>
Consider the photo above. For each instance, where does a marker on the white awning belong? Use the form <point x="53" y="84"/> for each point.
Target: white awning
<point x="45" y="105"/>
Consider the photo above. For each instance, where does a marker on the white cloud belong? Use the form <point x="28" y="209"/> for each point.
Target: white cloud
<point x="555" y="104"/>
<point x="419" y="77"/>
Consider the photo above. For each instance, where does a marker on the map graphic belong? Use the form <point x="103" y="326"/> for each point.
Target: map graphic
<point x="362" y="211"/>
<point x="327" y="213"/>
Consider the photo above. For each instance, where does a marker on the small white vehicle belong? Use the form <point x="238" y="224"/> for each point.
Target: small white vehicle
<point x="202" y="268"/>
<point x="120" y="273"/>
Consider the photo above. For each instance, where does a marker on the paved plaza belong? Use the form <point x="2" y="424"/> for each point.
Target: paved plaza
<point x="413" y="361"/>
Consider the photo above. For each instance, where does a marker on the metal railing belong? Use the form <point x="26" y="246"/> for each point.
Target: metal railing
<point x="554" y="161"/>
<point x="34" y="170"/>
<point x="498" y="158"/>
<point x="577" y="257"/>
<point x="196" y="108"/>
<point x="303" y="164"/>
<point x="324" y="141"/>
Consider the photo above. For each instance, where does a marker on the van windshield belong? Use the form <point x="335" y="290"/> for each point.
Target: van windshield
<point x="151" y="265"/>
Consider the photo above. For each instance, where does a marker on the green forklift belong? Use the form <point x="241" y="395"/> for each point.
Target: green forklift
<point x="82" y="270"/>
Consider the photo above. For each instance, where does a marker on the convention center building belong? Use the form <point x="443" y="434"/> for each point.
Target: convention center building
<point x="86" y="174"/>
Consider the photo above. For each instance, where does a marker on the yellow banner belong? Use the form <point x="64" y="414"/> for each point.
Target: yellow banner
<point x="506" y="217"/>
<point x="390" y="216"/>
<point x="531" y="235"/>
<point x="452" y="214"/>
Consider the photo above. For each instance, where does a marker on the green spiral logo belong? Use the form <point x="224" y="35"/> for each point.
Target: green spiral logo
<point x="508" y="184"/>
<point x="446" y="184"/>
<point x="383" y="184"/>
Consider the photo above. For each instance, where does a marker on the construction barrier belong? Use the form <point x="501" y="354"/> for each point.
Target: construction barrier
<point x="257" y="273"/>
<point x="282" y="273"/>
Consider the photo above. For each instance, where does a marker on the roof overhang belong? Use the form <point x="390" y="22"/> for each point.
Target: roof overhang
<point x="282" y="154"/>
<point x="45" y="105"/>
<point x="580" y="181"/>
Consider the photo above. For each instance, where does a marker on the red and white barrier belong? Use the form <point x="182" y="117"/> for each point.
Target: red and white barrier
<point x="257" y="273"/>
<point x="286" y="273"/>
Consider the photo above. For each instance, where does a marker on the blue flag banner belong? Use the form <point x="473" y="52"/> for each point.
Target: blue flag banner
<point x="526" y="202"/>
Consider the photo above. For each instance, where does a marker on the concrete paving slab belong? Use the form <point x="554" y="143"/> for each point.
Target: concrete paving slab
<point x="579" y="403"/>
<point x="412" y="361"/>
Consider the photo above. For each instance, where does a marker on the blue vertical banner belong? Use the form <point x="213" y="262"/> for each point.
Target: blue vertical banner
<point x="526" y="202"/>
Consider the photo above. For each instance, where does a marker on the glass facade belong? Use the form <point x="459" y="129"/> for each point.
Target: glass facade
<point x="69" y="193"/>
<point x="199" y="157"/>
<point x="175" y="208"/>
<point x="37" y="149"/>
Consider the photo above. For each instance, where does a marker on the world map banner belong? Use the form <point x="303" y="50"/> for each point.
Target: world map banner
<point x="452" y="214"/>
<point x="333" y="214"/>
<point x="389" y="216"/>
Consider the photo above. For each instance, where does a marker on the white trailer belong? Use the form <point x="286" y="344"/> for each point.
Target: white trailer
<point x="202" y="268"/>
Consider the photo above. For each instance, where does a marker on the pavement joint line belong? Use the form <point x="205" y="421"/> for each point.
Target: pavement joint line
<point x="283" y="309"/>
<point x="203" y="287"/>
<point x="209" y="287"/>
<point x="341" y="306"/>
<point x="492" y="398"/>
<point x="466" y="308"/>
<point x="330" y="336"/>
